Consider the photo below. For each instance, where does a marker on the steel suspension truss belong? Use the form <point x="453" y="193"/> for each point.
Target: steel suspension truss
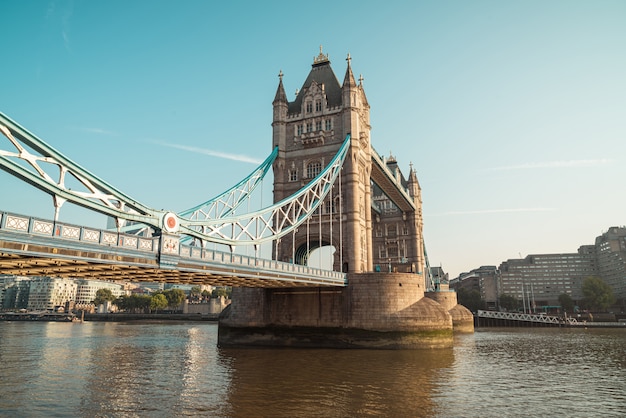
<point x="226" y="203"/>
<point x="275" y="221"/>
<point x="40" y="165"/>
<point x="213" y="221"/>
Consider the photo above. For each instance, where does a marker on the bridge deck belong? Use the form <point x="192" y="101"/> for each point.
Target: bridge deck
<point x="35" y="247"/>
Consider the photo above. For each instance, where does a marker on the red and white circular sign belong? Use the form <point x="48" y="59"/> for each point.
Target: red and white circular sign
<point x="170" y="222"/>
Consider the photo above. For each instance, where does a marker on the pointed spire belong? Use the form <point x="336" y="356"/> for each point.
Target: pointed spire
<point x="412" y="175"/>
<point x="413" y="183"/>
<point x="281" y="96"/>
<point x="348" y="80"/>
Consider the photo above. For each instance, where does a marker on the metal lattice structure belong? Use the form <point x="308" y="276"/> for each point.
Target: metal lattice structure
<point x="525" y="317"/>
<point x="40" y="165"/>
<point x="225" y="203"/>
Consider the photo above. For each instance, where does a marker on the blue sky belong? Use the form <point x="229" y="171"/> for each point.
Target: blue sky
<point x="513" y="113"/>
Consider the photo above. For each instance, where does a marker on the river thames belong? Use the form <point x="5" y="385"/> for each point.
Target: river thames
<point x="97" y="369"/>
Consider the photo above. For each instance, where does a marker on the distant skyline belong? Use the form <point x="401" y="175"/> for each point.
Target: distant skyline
<point x="513" y="113"/>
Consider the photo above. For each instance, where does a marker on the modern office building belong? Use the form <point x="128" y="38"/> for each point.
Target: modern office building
<point x="485" y="280"/>
<point x="538" y="280"/>
<point x="86" y="290"/>
<point x="14" y="292"/>
<point x="610" y="252"/>
<point x="50" y="293"/>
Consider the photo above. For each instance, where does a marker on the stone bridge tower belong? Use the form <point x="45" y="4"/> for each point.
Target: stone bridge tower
<point x="308" y="132"/>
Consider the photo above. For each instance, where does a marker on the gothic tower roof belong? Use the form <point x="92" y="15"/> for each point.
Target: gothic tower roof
<point x="280" y="91"/>
<point x="322" y="74"/>
<point x="348" y="79"/>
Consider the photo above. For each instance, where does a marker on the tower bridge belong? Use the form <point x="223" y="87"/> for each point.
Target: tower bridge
<point x="331" y="189"/>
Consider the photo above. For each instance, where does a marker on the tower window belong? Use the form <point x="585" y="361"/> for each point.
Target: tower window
<point x="318" y="125"/>
<point x="329" y="124"/>
<point x="313" y="169"/>
<point x="299" y="129"/>
<point x="309" y="107"/>
<point x="330" y="206"/>
<point x="309" y="127"/>
<point x="293" y="175"/>
<point x="318" y="105"/>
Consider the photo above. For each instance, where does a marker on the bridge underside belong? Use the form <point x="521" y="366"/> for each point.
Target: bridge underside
<point x="59" y="262"/>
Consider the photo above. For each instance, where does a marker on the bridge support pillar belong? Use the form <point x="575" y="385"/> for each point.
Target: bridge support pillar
<point x="169" y="251"/>
<point x="376" y="310"/>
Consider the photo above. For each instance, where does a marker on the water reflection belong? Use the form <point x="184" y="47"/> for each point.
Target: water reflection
<point x="176" y="369"/>
<point x="334" y="383"/>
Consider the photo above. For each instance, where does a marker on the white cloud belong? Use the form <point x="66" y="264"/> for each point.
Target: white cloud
<point x="212" y="153"/>
<point x="556" y="164"/>
<point x="493" y="211"/>
<point x="98" y="131"/>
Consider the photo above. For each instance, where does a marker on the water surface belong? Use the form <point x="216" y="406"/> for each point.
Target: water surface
<point x="168" y="369"/>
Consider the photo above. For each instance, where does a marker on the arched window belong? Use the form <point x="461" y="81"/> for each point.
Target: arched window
<point x="313" y="169"/>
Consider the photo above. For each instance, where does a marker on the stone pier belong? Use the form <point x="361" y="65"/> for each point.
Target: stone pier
<point x="376" y="310"/>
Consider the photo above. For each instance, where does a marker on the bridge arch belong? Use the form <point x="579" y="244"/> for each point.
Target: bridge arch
<point x="306" y="253"/>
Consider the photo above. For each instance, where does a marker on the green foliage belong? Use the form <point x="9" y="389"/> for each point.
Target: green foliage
<point x="508" y="302"/>
<point x="134" y="303"/>
<point x="222" y="291"/>
<point x="158" y="301"/>
<point x="470" y="299"/>
<point x="567" y="303"/>
<point x="598" y="295"/>
<point x="174" y="297"/>
<point x="103" y="296"/>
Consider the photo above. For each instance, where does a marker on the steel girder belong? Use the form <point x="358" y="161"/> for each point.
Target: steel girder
<point x="224" y="204"/>
<point x="263" y="225"/>
<point x="34" y="170"/>
<point x="274" y="221"/>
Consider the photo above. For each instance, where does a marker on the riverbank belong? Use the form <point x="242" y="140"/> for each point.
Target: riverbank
<point x="124" y="317"/>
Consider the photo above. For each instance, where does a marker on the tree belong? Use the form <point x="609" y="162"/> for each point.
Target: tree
<point x="567" y="303"/>
<point x="158" y="301"/>
<point x="194" y="293"/>
<point x="508" y="302"/>
<point x="221" y="291"/>
<point x="470" y="299"/>
<point x="174" y="297"/>
<point x="133" y="303"/>
<point x="598" y="295"/>
<point x="103" y="296"/>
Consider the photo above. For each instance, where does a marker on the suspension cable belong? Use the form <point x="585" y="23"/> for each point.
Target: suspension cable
<point x="341" y="221"/>
<point x="319" y="243"/>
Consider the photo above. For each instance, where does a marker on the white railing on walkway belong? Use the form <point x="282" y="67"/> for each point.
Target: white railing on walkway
<point x="526" y="317"/>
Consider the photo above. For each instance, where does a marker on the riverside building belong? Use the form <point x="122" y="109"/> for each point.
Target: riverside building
<point x="539" y="279"/>
<point x="86" y="291"/>
<point x="14" y="292"/>
<point x="49" y="293"/>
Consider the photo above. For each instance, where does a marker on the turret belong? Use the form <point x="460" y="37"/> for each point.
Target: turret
<point x="280" y="105"/>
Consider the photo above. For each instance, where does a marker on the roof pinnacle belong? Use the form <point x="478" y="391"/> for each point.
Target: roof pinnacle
<point x="321" y="57"/>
